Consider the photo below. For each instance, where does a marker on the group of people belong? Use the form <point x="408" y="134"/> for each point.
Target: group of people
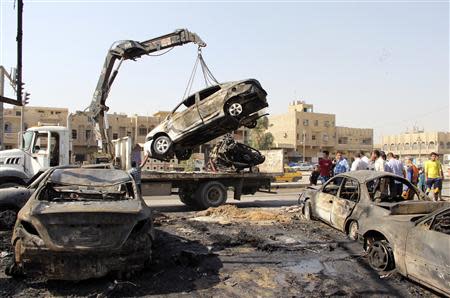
<point x="427" y="178"/>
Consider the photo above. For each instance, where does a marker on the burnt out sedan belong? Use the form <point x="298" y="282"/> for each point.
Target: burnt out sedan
<point x="82" y="223"/>
<point x="206" y="115"/>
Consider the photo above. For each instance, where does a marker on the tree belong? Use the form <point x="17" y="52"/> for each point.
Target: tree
<point x="259" y="137"/>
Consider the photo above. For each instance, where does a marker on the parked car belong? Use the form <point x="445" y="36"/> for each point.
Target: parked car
<point x="82" y="223"/>
<point x="290" y="175"/>
<point x="417" y="246"/>
<point x="305" y="166"/>
<point x="348" y="200"/>
<point x="207" y="114"/>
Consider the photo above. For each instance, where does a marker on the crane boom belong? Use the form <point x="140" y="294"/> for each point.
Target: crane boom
<point x="129" y="50"/>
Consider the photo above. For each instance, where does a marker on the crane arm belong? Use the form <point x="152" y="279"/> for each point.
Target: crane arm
<point x="129" y="50"/>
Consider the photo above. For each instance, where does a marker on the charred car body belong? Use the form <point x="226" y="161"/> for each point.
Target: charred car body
<point x="82" y="223"/>
<point x="208" y="114"/>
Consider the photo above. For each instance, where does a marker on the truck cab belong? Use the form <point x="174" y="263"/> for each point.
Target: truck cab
<point x="41" y="147"/>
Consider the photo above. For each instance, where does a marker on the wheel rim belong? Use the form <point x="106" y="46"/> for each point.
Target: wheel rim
<point x="214" y="195"/>
<point x="8" y="217"/>
<point x="379" y="257"/>
<point x="235" y="109"/>
<point x="162" y="145"/>
<point x="353" y="230"/>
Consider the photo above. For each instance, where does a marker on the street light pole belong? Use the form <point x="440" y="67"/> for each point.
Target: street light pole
<point x="419" y="140"/>
<point x="304" y="141"/>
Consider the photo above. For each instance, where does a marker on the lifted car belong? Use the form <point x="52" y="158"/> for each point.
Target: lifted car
<point x="208" y="114"/>
<point x="82" y="223"/>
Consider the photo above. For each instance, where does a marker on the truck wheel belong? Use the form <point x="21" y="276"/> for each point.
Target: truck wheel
<point x="187" y="198"/>
<point x="211" y="194"/>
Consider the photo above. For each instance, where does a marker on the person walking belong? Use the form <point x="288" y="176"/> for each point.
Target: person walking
<point x="364" y="157"/>
<point x="412" y="175"/>
<point x="434" y="175"/>
<point x="340" y="166"/>
<point x="422" y="181"/>
<point x="325" y="165"/>
<point x="377" y="163"/>
<point x="395" y="166"/>
<point x="314" y="176"/>
<point x="358" y="164"/>
<point x="135" y="172"/>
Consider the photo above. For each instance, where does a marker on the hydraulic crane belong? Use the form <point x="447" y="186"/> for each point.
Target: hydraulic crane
<point x="128" y="50"/>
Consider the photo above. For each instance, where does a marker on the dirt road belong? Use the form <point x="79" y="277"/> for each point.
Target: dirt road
<point x="234" y="252"/>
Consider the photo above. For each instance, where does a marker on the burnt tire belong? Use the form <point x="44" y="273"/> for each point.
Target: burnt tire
<point x="352" y="231"/>
<point x="381" y="256"/>
<point x="211" y="194"/>
<point x="183" y="154"/>
<point x="161" y="145"/>
<point x="307" y="210"/>
<point x="8" y="218"/>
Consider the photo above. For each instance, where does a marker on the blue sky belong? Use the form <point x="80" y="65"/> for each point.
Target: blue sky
<point x="383" y="65"/>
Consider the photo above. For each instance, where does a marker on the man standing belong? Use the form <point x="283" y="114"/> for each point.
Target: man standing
<point x="135" y="172"/>
<point x="364" y="157"/>
<point x="340" y="164"/>
<point x="325" y="165"/>
<point x="434" y="175"/>
<point x="396" y="167"/>
<point x="359" y="164"/>
<point x="412" y="174"/>
<point x="377" y="163"/>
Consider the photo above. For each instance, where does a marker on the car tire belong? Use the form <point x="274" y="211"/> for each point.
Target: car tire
<point x="211" y="194"/>
<point x="183" y="154"/>
<point x="161" y="145"/>
<point x="352" y="232"/>
<point x="307" y="210"/>
<point x="381" y="257"/>
<point x="8" y="218"/>
<point x="187" y="198"/>
<point x="10" y="184"/>
<point x="234" y="109"/>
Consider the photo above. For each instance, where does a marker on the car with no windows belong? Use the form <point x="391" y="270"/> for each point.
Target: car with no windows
<point x="82" y="223"/>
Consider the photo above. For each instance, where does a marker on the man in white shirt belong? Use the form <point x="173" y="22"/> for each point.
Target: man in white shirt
<point x="364" y="158"/>
<point x="377" y="163"/>
<point x="359" y="164"/>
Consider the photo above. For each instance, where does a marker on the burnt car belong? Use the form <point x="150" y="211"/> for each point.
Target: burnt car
<point x="206" y="115"/>
<point x="348" y="199"/>
<point x="82" y="223"/>
<point x="417" y="246"/>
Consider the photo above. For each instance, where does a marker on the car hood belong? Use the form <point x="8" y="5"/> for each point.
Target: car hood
<point x="84" y="226"/>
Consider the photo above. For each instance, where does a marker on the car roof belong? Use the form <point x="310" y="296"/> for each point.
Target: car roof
<point x="365" y="175"/>
<point x="89" y="176"/>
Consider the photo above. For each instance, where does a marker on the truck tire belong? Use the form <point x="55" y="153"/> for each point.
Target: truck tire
<point x="187" y="198"/>
<point x="211" y="194"/>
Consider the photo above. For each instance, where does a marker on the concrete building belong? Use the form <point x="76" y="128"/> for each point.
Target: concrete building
<point x="301" y="131"/>
<point x="417" y="144"/>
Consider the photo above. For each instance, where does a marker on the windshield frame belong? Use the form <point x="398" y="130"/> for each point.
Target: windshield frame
<point x="24" y="140"/>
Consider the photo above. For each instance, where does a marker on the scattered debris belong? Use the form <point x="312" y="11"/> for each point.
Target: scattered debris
<point x="229" y="213"/>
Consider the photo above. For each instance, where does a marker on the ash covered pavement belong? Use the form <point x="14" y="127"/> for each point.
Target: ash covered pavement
<point x="233" y="252"/>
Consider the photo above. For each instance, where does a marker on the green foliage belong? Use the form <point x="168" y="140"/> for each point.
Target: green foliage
<point x="259" y="138"/>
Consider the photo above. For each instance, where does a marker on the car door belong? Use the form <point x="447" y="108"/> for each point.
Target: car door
<point x="188" y="118"/>
<point x="325" y="198"/>
<point x="210" y="103"/>
<point x="344" y="203"/>
<point x="427" y="256"/>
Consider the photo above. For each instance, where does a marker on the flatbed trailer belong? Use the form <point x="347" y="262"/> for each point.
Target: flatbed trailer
<point x="204" y="189"/>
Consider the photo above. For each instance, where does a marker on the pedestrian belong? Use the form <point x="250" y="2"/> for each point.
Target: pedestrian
<point x="340" y="166"/>
<point x="422" y="181"/>
<point x="358" y="164"/>
<point x="377" y="163"/>
<point x="136" y="154"/>
<point x="396" y="167"/>
<point x="434" y="175"/>
<point x="135" y="172"/>
<point x="412" y="175"/>
<point x="325" y="165"/>
<point x="364" y="157"/>
<point x="314" y="176"/>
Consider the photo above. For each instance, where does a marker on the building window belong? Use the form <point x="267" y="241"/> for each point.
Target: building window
<point x="367" y="141"/>
<point x="392" y="148"/>
<point x="298" y="136"/>
<point x="18" y="113"/>
<point x="25" y="126"/>
<point x="74" y="134"/>
<point x="406" y="146"/>
<point x="385" y="147"/>
<point x="88" y="134"/>
<point x="448" y="145"/>
<point x="343" y="140"/>
<point x="325" y="137"/>
<point x="122" y="131"/>
<point x="313" y="137"/>
<point x="316" y="122"/>
<point x="298" y="121"/>
<point x="442" y="145"/>
<point x="8" y="127"/>
<point x="326" y="123"/>
<point x="305" y="122"/>
<point x="399" y="146"/>
<point x="142" y="131"/>
<point x="415" y="146"/>
<point x="431" y="145"/>
<point x="128" y="133"/>
<point x="115" y="136"/>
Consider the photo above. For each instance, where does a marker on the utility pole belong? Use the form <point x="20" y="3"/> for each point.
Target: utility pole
<point x="304" y="145"/>
<point x="19" y="50"/>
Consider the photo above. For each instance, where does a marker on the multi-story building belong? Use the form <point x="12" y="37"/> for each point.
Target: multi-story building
<point x="417" y="144"/>
<point x="303" y="132"/>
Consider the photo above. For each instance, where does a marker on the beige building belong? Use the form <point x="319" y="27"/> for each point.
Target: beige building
<point x="301" y="131"/>
<point x="417" y="144"/>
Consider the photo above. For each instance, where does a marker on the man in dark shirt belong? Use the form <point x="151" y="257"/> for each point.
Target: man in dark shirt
<point x="325" y="165"/>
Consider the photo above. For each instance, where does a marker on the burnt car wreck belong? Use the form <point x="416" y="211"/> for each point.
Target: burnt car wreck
<point x="228" y="154"/>
<point x="207" y="114"/>
<point x="82" y="223"/>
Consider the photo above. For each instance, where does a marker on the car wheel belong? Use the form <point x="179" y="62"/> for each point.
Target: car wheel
<point x="381" y="257"/>
<point x="307" y="210"/>
<point x="235" y="109"/>
<point x="211" y="194"/>
<point x="183" y="154"/>
<point x="161" y="145"/>
<point x="353" y="230"/>
<point x="8" y="218"/>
